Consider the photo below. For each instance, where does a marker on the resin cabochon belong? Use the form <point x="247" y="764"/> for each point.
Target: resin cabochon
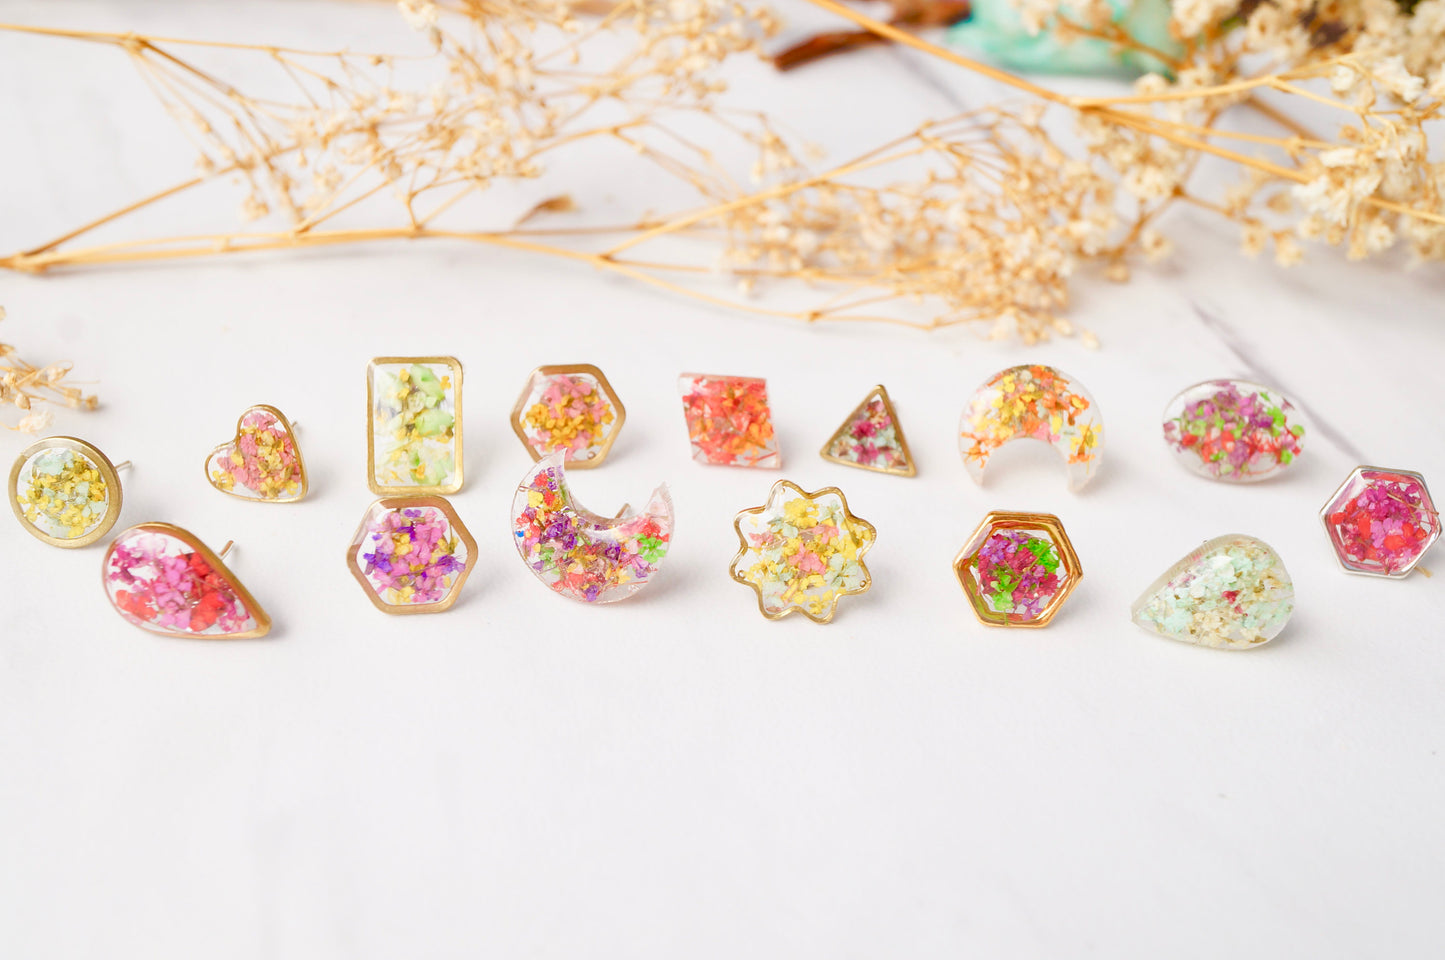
<point x="395" y="580"/>
<point x="422" y="435"/>
<point x="729" y="421"/>
<point x="802" y="552"/>
<point x="569" y="408"/>
<point x="1034" y="402"/>
<point x="1017" y="569"/>
<point x="289" y="476"/>
<point x="1234" y="431"/>
<point x="77" y="503"/>
<point x="872" y="438"/>
<point x="579" y="554"/>
<point x="1231" y="593"/>
<point x="161" y="579"/>
<point x="1402" y="523"/>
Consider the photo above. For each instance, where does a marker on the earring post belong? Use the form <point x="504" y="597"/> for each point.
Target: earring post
<point x="123" y="465"/>
<point x="226" y="549"/>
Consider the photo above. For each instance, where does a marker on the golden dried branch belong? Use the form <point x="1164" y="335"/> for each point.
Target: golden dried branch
<point x="26" y="388"/>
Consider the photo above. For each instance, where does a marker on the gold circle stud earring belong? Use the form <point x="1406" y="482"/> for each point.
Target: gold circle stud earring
<point x="262" y="462"/>
<point x="164" y="580"/>
<point x="65" y="492"/>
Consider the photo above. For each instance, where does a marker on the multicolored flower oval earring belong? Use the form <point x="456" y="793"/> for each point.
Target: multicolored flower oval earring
<point x="1234" y="431"/>
<point x="65" y="492"/>
<point x="1033" y="402"/>
<point x="579" y="554"/>
<point x="162" y="579"/>
<point x="262" y="463"/>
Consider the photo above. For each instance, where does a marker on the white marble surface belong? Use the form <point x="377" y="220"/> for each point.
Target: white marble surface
<point x="675" y="776"/>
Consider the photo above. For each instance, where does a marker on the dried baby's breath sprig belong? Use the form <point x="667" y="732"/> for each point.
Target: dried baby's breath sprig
<point x="27" y="388"/>
<point x="979" y="217"/>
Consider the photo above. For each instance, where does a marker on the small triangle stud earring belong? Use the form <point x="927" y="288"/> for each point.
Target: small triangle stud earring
<point x="262" y="462"/>
<point x="872" y="438"/>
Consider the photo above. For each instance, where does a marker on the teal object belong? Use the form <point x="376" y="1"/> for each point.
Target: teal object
<point x="996" y="32"/>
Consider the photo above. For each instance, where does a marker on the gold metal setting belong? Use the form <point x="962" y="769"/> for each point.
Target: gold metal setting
<point x="455" y="367"/>
<point x="863" y="534"/>
<point x="965" y="565"/>
<point x="403" y="503"/>
<point x="519" y="411"/>
<point x="909" y="469"/>
<point x="258" y="613"/>
<point x="107" y="472"/>
<point x="290" y="430"/>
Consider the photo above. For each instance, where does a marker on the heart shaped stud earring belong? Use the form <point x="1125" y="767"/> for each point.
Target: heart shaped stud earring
<point x="162" y="579"/>
<point x="65" y="492"/>
<point x="263" y="462"/>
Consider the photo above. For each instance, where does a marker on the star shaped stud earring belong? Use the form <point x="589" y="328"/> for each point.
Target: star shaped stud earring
<point x="802" y="551"/>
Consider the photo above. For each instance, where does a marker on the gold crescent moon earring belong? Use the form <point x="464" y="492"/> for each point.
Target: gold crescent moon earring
<point x="65" y="491"/>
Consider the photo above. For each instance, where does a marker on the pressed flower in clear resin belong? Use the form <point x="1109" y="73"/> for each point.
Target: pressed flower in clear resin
<point x="871" y="438"/>
<point x="262" y="462"/>
<point x="1381" y="522"/>
<point x="414" y="435"/>
<point x="411" y="554"/>
<point x="1233" y="430"/>
<point x="65" y="492"/>
<point x="1033" y="402"/>
<point x="1017" y="569"/>
<point x="569" y="409"/>
<point x="162" y="579"/>
<point x="579" y="554"/>
<point x="802" y="551"/>
<point x="728" y="420"/>
<point x="1232" y="593"/>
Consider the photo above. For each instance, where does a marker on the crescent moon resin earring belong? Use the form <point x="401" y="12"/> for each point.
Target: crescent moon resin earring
<point x="1233" y="430"/>
<point x="571" y="408"/>
<point x="576" y="552"/>
<point x="1039" y="403"/>
<point x="262" y="462"/>
<point x="802" y="551"/>
<point x="65" y="492"/>
<point x="162" y="579"/>
<point x="414" y="425"/>
<point x="411" y="554"/>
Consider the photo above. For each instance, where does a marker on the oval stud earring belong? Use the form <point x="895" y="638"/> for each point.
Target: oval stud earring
<point x="163" y="579"/>
<point x="262" y="462"/>
<point x="65" y="492"/>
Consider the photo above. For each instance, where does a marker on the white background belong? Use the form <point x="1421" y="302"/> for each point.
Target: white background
<point x="675" y="776"/>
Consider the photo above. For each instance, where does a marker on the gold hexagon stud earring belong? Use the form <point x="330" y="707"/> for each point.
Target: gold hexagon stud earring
<point x="802" y="551"/>
<point x="1017" y="569"/>
<point x="65" y="492"/>
<point x="411" y="555"/>
<point x="262" y="463"/>
<point x="571" y="409"/>
<point x="164" y="580"/>
<point x="414" y="425"/>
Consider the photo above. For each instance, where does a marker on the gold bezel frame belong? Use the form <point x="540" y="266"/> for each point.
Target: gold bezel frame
<point x="263" y="620"/>
<point x="965" y="562"/>
<point x="795" y="608"/>
<point x="403" y="503"/>
<point x="571" y="369"/>
<point x="910" y="471"/>
<point x="107" y="473"/>
<point x="295" y="444"/>
<point x="384" y="491"/>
